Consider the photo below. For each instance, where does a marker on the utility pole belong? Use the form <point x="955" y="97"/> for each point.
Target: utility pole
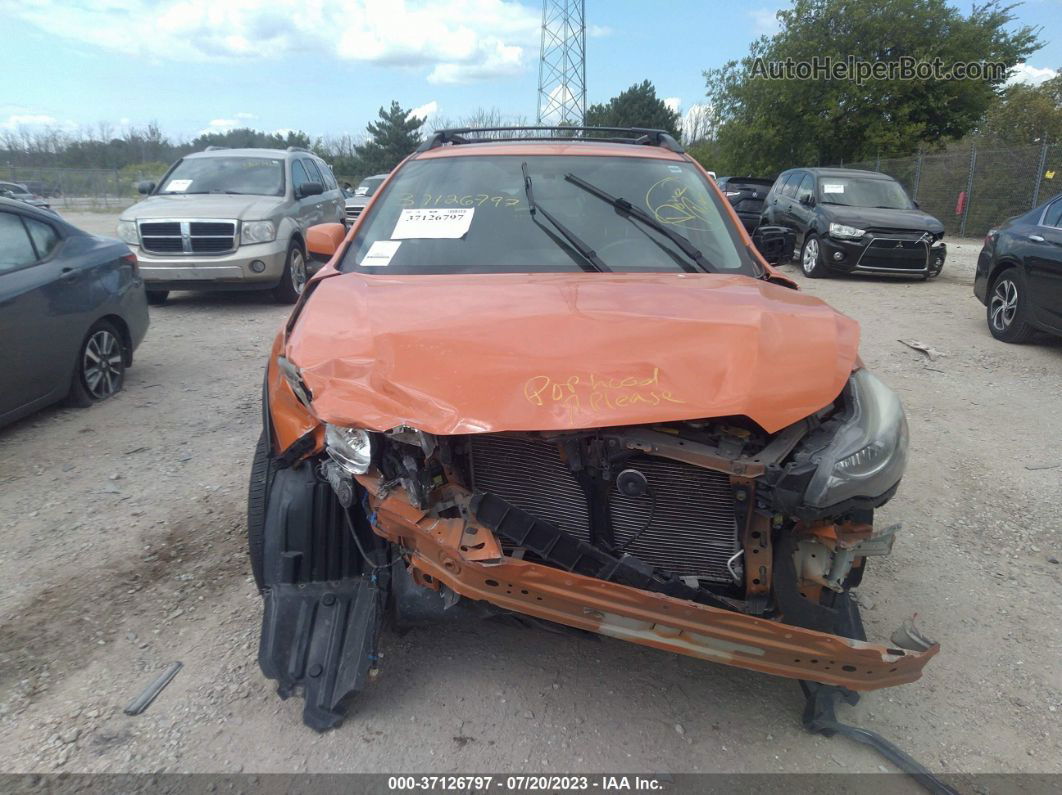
<point x="562" y="63"/>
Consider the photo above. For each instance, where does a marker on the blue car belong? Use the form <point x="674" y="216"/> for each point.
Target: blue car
<point x="72" y="311"/>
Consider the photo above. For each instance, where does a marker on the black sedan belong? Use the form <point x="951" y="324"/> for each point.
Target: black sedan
<point x="1019" y="274"/>
<point x="72" y="311"/>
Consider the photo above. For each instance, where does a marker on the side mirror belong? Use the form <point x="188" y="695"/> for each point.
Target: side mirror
<point x="808" y="200"/>
<point x="309" y="189"/>
<point x="145" y="187"/>
<point x="916" y="204"/>
<point x="775" y="243"/>
<point x="324" y="240"/>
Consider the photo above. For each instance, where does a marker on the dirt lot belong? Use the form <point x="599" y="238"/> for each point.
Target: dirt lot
<point x="123" y="550"/>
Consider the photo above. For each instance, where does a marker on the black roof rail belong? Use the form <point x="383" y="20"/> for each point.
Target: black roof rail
<point x="213" y="148"/>
<point x="298" y="149"/>
<point x="641" y="136"/>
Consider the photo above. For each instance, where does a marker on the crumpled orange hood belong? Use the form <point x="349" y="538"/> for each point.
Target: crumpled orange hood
<point x="505" y="352"/>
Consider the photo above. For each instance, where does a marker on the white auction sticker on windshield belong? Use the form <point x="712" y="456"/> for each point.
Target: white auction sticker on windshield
<point x="178" y="184"/>
<point x="380" y="253"/>
<point x="831" y="187"/>
<point x="432" y="222"/>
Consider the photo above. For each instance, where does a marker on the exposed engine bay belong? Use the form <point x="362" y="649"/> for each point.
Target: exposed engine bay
<point x="706" y="538"/>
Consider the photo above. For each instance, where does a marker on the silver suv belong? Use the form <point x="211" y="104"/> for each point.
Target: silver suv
<point x="231" y="219"/>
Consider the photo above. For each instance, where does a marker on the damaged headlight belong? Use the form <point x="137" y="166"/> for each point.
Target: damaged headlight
<point x="351" y="448"/>
<point x="867" y="455"/>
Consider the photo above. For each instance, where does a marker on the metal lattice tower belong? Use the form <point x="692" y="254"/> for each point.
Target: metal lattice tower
<point x="562" y="63"/>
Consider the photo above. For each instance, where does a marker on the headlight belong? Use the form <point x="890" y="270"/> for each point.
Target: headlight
<point x="867" y="455"/>
<point x="127" y="232"/>
<point x="257" y="232"/>
<point x="351" y="448"/>
<point x="843" y="230"/>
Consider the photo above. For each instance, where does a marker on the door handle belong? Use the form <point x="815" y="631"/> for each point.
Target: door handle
<point x="68" y="275"/>
<point x="1036" y="238"/>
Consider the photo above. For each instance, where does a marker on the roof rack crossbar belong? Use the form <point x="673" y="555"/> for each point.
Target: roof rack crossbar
<point x="642" y="136"/>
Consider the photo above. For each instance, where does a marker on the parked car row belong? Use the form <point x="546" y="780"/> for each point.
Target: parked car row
<point x="849" y="221"/>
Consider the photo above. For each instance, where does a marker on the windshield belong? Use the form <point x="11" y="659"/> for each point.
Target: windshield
<point x="470" y="215"/>
<point x="863" y="192"/>
<point x="368" y="186"/>
<point x="258" y="176"/>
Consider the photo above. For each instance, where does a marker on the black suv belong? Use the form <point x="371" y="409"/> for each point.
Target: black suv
<point x="746" y="195"/>
<point x="847" y="221"/>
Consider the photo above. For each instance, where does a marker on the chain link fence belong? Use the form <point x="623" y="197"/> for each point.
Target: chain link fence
<point x="80" y="188"/>
<point x="976" y="186"/>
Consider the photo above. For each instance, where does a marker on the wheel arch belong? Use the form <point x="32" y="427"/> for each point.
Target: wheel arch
<point x="123" y="330"/>
<point x="1004" y="264"/>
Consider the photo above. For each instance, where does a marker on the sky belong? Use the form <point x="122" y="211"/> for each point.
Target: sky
<point x="327" y="66"/>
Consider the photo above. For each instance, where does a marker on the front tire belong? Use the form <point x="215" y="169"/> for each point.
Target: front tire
<point x="811" y="258"/>
<point x="257" y="502"/>
<point x="294" y="279"/>
<point x="100" y="368"/>
<point x="1008" y="307"/>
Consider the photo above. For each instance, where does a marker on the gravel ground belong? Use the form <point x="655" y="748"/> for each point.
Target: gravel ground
<point x="124" y="551"/>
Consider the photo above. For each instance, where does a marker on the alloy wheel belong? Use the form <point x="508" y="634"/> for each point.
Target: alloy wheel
<point x="811" y="255"/>
<point x="101" y="365"/>
<point x="298" y="270"/>
<point x="1004" y="305"/>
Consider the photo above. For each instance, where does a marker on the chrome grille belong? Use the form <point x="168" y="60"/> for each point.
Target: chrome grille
<point x="188" y="236"/>
<point x="353" y="212"/>
<point x="693" y="530"/>
<point x="907" y="252"/>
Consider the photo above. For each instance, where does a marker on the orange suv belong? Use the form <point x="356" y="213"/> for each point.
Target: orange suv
<point x="550" y="375"/>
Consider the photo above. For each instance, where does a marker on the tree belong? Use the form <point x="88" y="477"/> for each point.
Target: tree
<point x="771" y="124"/>
<point x="1027" y="114"/>
<point x="391" y="139"/>
<point x="638" y="106"/>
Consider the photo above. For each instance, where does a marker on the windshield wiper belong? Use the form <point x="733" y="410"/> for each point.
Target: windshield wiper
<point x="638" y="214"/>
<point x="593" y="262"/>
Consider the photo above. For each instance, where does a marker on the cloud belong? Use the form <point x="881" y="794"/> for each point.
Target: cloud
<point x="425" y="110"/>
<point x="245" y="116"/>
<point x="764" y="21"/>
<point x="224" y="125"/>
<point x="16" y="120"/>
<point x="599" y="31"/>
<point x="1033" y="75"/>
<point x="674" y="104"/>
<point x="456" y="40"/>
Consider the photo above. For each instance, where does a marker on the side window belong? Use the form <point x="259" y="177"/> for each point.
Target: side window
<point x="16" y="250"/>
<point x="329" y="178"/>
<point x="791" y="184"/>
<point x="807" y="187"/>
<point x="298" y="176"/>
<point x="313" y="173"/>
<point x="44" y="237"/>
<point x="1053" y="216"/>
